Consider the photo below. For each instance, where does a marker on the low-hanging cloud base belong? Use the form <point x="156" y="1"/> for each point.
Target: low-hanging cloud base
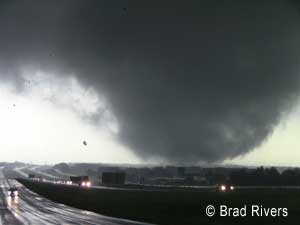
<point x="186" y="83"/>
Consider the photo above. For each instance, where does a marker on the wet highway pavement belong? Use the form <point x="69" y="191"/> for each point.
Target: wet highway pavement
<point x="30" y="208"/>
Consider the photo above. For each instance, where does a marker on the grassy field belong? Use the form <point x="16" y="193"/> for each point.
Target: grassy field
<point x="174" y="207"/>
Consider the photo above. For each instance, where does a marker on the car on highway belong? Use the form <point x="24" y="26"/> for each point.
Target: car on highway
<point x="81" y="181"/>
<point x="13" y="192"/>
<point x="225" y="187"/>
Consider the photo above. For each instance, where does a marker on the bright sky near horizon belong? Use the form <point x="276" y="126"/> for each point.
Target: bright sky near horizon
<point x="48" y="120"/>
<point x="281" y="148"/>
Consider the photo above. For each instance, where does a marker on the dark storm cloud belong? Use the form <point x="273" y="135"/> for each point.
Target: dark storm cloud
<point x="188" y="82"/>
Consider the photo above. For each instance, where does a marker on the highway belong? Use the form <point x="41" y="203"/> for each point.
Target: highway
<point x="30" y="208"/>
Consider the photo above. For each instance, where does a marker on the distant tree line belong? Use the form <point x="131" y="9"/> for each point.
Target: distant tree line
<point x="265" y="177"/>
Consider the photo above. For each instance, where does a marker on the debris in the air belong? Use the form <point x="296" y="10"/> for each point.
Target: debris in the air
<point x="125" y="10"/>
<point x="84" y="142"/>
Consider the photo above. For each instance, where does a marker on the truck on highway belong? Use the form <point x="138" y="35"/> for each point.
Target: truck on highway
<point x="82" y="181"/>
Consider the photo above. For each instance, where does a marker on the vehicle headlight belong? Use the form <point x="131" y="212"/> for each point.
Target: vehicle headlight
<point x="16" y="193"/>
<point x="9" y="192"/>
<point x="83" y="183"/>
<point x="231" y="188"/>
<point x="88" y="184"/>
<point x="223" y="188"/>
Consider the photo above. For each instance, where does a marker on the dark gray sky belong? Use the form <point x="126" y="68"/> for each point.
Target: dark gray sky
<point x="187" y="81"/>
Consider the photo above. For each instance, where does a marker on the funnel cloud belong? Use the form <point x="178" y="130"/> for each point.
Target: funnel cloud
<point x="203" y="81"/>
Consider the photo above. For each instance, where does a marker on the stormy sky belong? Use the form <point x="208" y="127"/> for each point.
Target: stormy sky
<point x="172" y="81"/>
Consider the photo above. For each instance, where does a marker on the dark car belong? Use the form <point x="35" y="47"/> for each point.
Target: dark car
<point x="13" y="192"/>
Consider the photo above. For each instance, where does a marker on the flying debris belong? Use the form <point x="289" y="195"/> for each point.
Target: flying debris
<point x="124" y="10"/>
<point x="84" y="142"/>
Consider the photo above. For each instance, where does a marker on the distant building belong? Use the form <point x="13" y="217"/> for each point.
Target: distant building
<point x="113" y="178"/>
